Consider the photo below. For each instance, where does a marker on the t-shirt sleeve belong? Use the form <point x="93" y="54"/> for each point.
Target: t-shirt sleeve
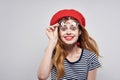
<point x="93" y="62"/>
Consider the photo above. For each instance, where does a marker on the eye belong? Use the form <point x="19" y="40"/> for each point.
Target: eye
<point x="63" y="28"/>
<point x="73" y="28"/>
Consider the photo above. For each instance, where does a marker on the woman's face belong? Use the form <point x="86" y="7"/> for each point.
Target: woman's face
<point x="69" y="31"/>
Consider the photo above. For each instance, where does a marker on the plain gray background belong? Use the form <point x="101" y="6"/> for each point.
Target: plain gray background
<point x="23" y="39"/>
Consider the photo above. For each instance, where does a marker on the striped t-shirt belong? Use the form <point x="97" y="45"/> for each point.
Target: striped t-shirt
<point x="78" y="70"/>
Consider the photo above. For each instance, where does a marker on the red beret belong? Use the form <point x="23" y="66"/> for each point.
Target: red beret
<point x="68" y="13"/>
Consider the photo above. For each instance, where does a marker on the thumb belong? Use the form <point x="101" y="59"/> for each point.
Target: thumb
<point x="56" y="27"/>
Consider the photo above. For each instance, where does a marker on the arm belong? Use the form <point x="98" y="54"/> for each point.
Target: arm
<point x="46" y="62"/>
<point x="92" y="74"/>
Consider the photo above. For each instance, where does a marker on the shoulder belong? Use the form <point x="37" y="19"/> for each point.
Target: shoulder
<point x="88" y="54"/>
<point x="92" y="59"/>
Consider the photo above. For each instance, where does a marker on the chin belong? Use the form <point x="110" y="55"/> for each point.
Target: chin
<point x="70" y="43"/>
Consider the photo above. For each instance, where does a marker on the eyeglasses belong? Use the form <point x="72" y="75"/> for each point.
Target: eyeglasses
<point x="64" y="26"/>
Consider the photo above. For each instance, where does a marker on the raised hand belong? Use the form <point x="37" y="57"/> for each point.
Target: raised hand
<point x="52" y="32"/>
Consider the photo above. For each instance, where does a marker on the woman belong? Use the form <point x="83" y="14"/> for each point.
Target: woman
<point x="71" y="53"/>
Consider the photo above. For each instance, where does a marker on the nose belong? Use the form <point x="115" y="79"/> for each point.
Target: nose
<point x="68" y="32"/>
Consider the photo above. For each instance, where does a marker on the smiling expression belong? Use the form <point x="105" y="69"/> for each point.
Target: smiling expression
<point x="69" y="31"/>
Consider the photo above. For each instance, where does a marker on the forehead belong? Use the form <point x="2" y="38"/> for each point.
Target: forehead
<point x="68" y="20"/>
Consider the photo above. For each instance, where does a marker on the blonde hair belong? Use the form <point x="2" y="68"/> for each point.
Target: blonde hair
<point x="60" y="54"/>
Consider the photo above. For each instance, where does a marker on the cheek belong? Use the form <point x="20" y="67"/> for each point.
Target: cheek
<point x="77" y="33"/>
<point x="61" y="33"/>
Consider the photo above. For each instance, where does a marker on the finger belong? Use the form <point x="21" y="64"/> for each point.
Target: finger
<point x="52" y="28"/>
<point x="55" y="25"/>
<point x="56" y="29"/>
<point x="49" y="29"/>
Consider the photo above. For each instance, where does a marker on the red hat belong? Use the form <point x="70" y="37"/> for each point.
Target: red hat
<point x="68" y="13"/>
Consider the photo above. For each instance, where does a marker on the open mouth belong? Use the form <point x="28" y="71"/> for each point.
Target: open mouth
<point x="68" y="38"/>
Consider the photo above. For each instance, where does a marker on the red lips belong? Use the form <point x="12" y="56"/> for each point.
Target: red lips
<point x="68" y="38"/>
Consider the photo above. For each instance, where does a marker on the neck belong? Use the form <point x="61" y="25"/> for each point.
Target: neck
<point x="71" y="49"/>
